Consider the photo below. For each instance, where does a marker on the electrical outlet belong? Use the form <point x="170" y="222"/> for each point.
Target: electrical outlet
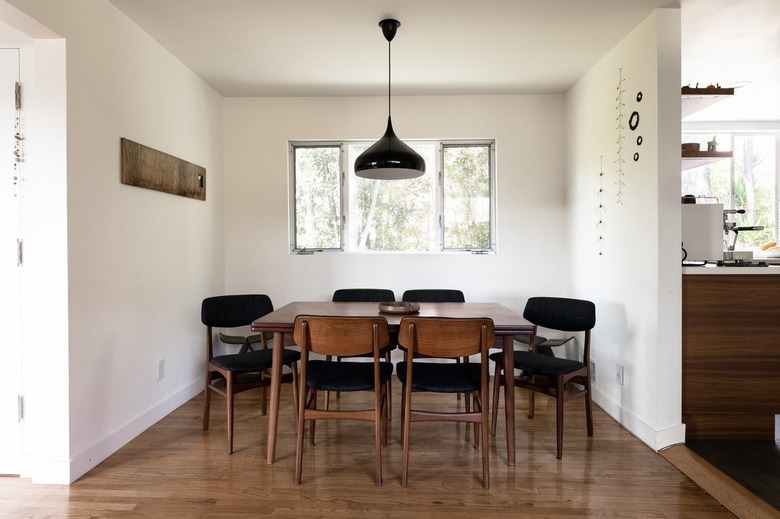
<point x="619" y="373"/>
<point x="160" y="369"/>
<point x="593" y="372"/>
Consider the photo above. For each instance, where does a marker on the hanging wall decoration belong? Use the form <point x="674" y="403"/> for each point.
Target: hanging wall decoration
<point x="18" y="139"/>
<point x="601" y="209"/>
<point x="633" y="124"/>
<point x="619" y="162"/>
<point x="151" y="169"/>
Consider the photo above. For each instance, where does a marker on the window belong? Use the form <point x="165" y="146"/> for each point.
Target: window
<point x="450" y="208"/>
<point x="748" y="181"/>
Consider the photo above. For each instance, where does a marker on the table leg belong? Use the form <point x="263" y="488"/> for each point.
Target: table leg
<point x="509" y="398"/>
<point x="276" y="383"/>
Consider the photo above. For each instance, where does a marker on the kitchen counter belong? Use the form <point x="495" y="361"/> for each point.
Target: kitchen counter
<point x="731" y="352"/>
<point x="716" y="270"/>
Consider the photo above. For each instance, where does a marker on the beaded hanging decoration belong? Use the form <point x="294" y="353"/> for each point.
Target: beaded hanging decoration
<point x="601" y="209"/>
<point x="619" y="162"/>
<point x="18" y="138"/>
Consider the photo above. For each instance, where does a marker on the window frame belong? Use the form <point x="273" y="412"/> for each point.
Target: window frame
<point x="344" y="192"/>
<point x="293" y="195"/>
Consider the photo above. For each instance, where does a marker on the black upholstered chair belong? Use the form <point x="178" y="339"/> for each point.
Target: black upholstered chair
<point x="433" y="295"/>
<point x="548" y="374"/>
<point x="342" y="337"/>
<point x="237" y="372"/>
<point x="438" y="337"/>
<point x="436" y="295"/>
<point x="363" y="295"/>
<point x="367" y="295"/>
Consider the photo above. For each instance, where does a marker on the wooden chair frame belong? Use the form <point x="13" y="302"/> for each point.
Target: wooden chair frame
<point x="553" y="381"/>
<point x="228" y="382"/>
<point x="447" y="338"/>
<point x="342" y="337"/>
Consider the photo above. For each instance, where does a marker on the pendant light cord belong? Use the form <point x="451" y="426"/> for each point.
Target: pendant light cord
<point x="389" y="78"/>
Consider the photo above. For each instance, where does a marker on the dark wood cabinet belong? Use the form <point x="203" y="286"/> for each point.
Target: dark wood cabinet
<point x="731" y="355"/>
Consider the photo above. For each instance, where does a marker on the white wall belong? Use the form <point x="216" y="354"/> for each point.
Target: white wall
<point x="635" y="282"/>
<point x="531" y="232"/>
<point x="138" y="262"/>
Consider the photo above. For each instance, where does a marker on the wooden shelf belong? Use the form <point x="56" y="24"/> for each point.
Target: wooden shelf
<point x="695" y="99"/>
<point x="695" y="159"/>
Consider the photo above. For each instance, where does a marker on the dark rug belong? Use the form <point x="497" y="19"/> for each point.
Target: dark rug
<point x="753" y="464"/>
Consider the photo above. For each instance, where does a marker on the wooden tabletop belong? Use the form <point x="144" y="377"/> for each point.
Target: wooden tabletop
<point x="506" y="321"/>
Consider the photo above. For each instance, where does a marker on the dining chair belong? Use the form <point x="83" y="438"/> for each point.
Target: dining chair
<point x="433" y="295"/>
<point x="437" y="295"/>
<point x="234" y="373"/>
<point x="366" y="295"/>
<point x="550" y="375"/>
<point x="342" y="337"/>
<point x="441" y="337"/>
<point x="363" y="295"/>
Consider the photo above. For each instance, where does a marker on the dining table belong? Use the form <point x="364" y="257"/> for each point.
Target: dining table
<point x="280" y="322"/>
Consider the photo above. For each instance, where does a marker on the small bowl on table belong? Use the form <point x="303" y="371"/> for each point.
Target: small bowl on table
<point x="399" y="307"/>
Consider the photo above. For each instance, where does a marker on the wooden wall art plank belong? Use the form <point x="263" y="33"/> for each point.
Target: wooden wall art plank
<point x="151" y="169"/>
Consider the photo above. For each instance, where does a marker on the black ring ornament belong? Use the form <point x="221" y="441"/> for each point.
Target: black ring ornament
<point x="639" y="97"/>
<point x="633" y="121"/>
<point x="639" y="140"/>
<point x="636" y="157"/>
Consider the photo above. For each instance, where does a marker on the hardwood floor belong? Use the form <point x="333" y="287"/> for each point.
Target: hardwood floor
<point x="174" y="469"/>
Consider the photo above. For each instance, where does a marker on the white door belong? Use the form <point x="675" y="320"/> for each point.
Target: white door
<point x="10" y="271"/>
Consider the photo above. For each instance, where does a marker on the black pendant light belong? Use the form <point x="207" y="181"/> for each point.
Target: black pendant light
<point x="389" y="158"/>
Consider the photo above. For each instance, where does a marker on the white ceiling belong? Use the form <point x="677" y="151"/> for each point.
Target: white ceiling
<point x="336" y="48"/>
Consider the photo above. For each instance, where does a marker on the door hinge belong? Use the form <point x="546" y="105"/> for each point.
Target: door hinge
<point x="18" y="95"/>
<point x="19" y="252"/>
<point x="20" y="404"/>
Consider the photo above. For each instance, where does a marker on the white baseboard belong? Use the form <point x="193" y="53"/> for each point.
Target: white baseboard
<point x="653" y="438"/>
<point x="65" y="473"/>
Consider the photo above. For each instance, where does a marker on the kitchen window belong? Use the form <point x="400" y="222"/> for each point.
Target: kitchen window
<point x="451" y="208"/>
<point x="749" y="181"/>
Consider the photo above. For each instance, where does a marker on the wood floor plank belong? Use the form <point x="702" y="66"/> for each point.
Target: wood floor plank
<point x="175" y="469"/>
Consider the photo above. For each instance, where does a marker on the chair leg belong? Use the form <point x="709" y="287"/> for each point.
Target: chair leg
<point x="530" y="404"/>
<point x="477" y="426"/>
<point x="559" y="400"/>
<point x="403" y="410"/>
<point x="466" y="396"/>
<point x="385" y="421"/>
<point x="294" y="369"/>
<point x="328" y="358"/>
<point x="497" y="377"/>
<point x="485" y="446"/>
<point x="378" y="421"/>
<point x="302" y="394"/>
<point x="588" y="410"/>
<point x="312" y="404"/>
<point x="207" y="402"/>
<point x="388" y="358"/>
<point x="457" y="361"/>
<point x="229" y="381"/>
<point x="407" y="419"/>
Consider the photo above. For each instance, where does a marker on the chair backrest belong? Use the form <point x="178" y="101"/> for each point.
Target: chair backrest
<point x="560" y="313"/>
<point x="447" y="337"/>
<point x="363" y="295"/>
<point x="433" y="295"/>
<point x="341" y="336"/>
<point x="231" y="311"/>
